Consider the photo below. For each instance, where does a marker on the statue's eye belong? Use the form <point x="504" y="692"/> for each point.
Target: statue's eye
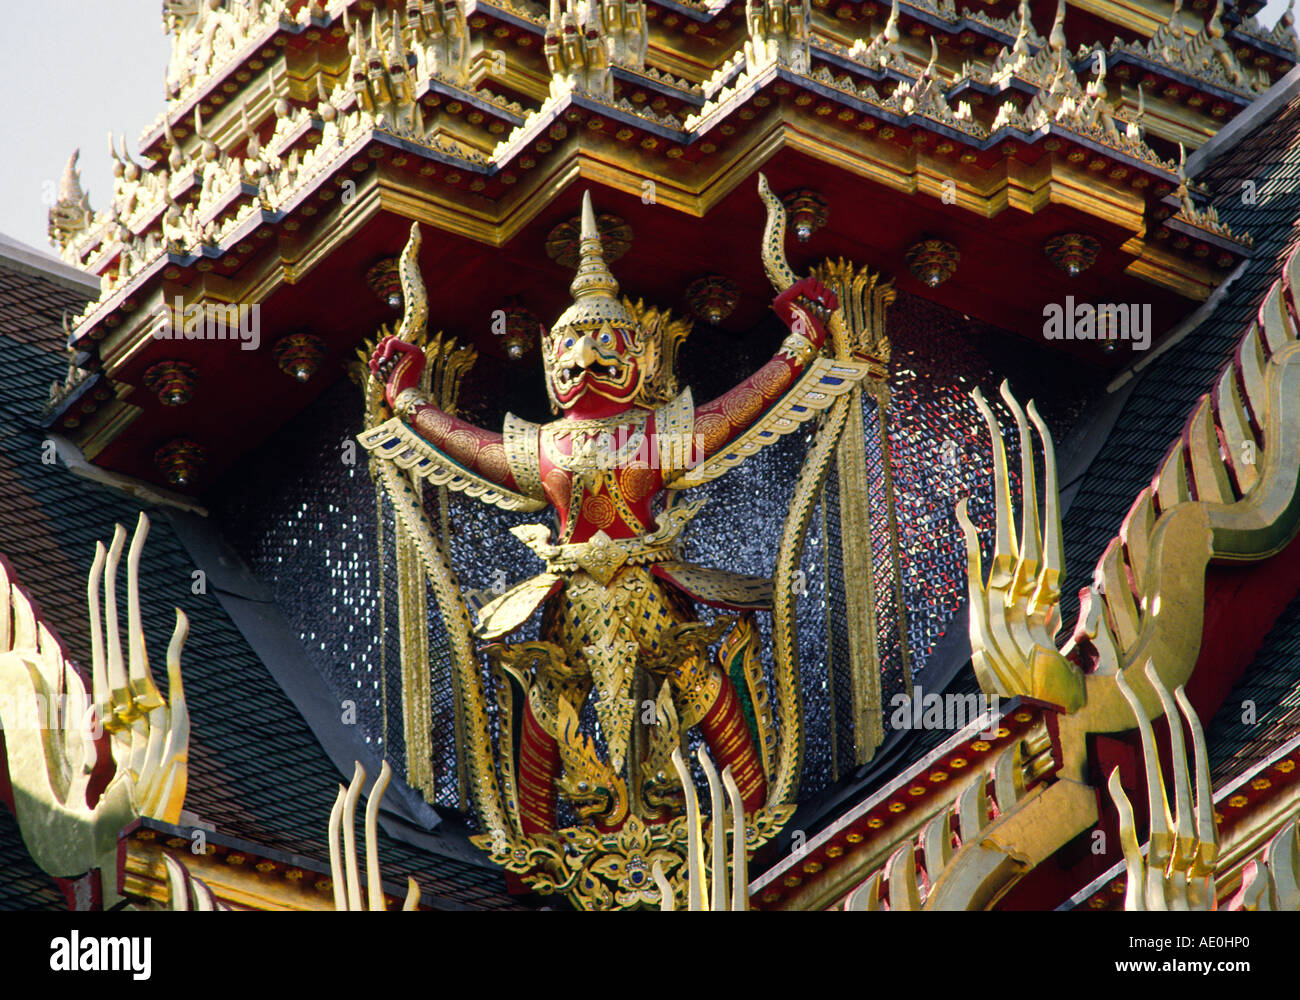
<point x="568" y="343"/>
<point x="606" y="337"/>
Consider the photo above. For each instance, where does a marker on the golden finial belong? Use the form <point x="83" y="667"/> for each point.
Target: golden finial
<point x="70" y="184"/>
<point x="325" y="107"/>
<point x="1057" y="38"/>
<point x="131" y="169"/>
<point x="175" y="158"/>
<point x="1214" y="28"/>
<point x="118" y="165"/>
<point x="595" y="291"/>
<point x="891" y="26"/>
<point x="593" y="277"/>
<point x="396" y="54"/>
<point x="210" y="148"/>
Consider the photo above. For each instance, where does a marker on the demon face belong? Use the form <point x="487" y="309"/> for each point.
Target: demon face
<point x="604" y="360"/>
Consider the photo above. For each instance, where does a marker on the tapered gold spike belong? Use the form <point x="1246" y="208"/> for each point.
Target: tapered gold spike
<point x="593" y="277"/>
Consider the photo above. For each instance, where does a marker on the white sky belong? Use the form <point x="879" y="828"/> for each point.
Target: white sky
<point x="71" y="70"/>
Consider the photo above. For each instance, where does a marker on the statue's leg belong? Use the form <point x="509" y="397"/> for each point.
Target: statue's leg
<point x="705" y="696"/>
<point x="539" y="767"/>
<point x="548" y="675"/>
<point x="708" y="699"/>
<point x="732" y="745"/>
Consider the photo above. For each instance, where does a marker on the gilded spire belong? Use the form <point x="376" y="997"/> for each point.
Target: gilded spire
<point x="593" y="277"/>
<point x="1057" y="38"/>
<point x="131" y="169"/>
<point x="118" y="165"/>
<point x="891" y="26"/>
<point x="210" y="148"/>
<point x="396" y="54"/>
<point x="325" y="107"/>
<point x="175" y="158"/>
<point x="254" y="146"/>
<point x="594" y="288"/>
<point x="70" y="184"/>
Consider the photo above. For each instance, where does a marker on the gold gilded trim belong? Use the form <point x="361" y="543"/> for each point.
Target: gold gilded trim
<point x="407" y="401"/>
<point x="825" y="381"/>
<point x="522" y="439"/>
<point x="675" y="432"/>
<point x="395" y="441"/>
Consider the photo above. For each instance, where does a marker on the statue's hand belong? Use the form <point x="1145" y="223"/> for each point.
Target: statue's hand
<point x="398" y="365"/>
<point x="804" y="306"/>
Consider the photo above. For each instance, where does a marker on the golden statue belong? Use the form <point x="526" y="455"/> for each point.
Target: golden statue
<point x="619" y="623"/>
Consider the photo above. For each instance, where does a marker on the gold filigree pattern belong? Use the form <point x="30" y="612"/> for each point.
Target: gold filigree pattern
<point x="593" y="787"/>
<point x="395" y="441"/>
<point x="601" y="871"/>
<point x="522" y="440"/>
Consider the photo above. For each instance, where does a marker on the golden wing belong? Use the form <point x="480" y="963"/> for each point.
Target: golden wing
<point x="395" y="441"/>
<point x="822" y="383"/>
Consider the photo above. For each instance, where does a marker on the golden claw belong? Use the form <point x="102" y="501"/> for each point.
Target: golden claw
<point x="344" y="871"/>
<point x="699" y="889"/>
<point x="1015" y="613"/>
<point x="1177" y="872"/>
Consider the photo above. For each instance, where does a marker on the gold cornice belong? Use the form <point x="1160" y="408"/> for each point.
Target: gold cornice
<point x="1112" y="203"/>
<point x="985" y="193"/>
<point x="102" y="429"/>
<point x="882" y="162"/>
<point x="1247" y="835"/>
<point x="400" y="195"/>
<point x="1134" y="15"/>
<point x="678" y="63"/>
<point x="128" y="340"/>
<point x="1168" y="120"/>
<point x="301" y="253"/>
<point x="535" y="85"/>
<point x="835" y="883"/>
<point x="991" y="853"/>
<point x="144" y="878"/>
<point x="1157" y="266"/>
<point x="1029" y="754"/>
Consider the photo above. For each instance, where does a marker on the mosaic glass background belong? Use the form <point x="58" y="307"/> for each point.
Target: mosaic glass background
<point x="303" y="516"/>
<point x="305" y="520"/>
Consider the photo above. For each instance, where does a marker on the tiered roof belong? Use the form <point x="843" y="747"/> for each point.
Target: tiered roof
<point x="292" y="128"/>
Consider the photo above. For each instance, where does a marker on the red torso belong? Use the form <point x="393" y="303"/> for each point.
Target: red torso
<point x="610" y="485"/>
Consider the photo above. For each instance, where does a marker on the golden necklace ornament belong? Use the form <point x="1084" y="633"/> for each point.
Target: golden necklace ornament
<point x="594" y="444"/>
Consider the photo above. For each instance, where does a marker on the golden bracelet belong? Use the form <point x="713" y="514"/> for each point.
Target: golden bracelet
<point x="406" y="402"/>
<point x="798" y="347"/>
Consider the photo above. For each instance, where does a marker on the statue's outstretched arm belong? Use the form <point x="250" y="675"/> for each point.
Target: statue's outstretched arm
<point x="801" y="306"/>
<point x="482" y="452"/>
